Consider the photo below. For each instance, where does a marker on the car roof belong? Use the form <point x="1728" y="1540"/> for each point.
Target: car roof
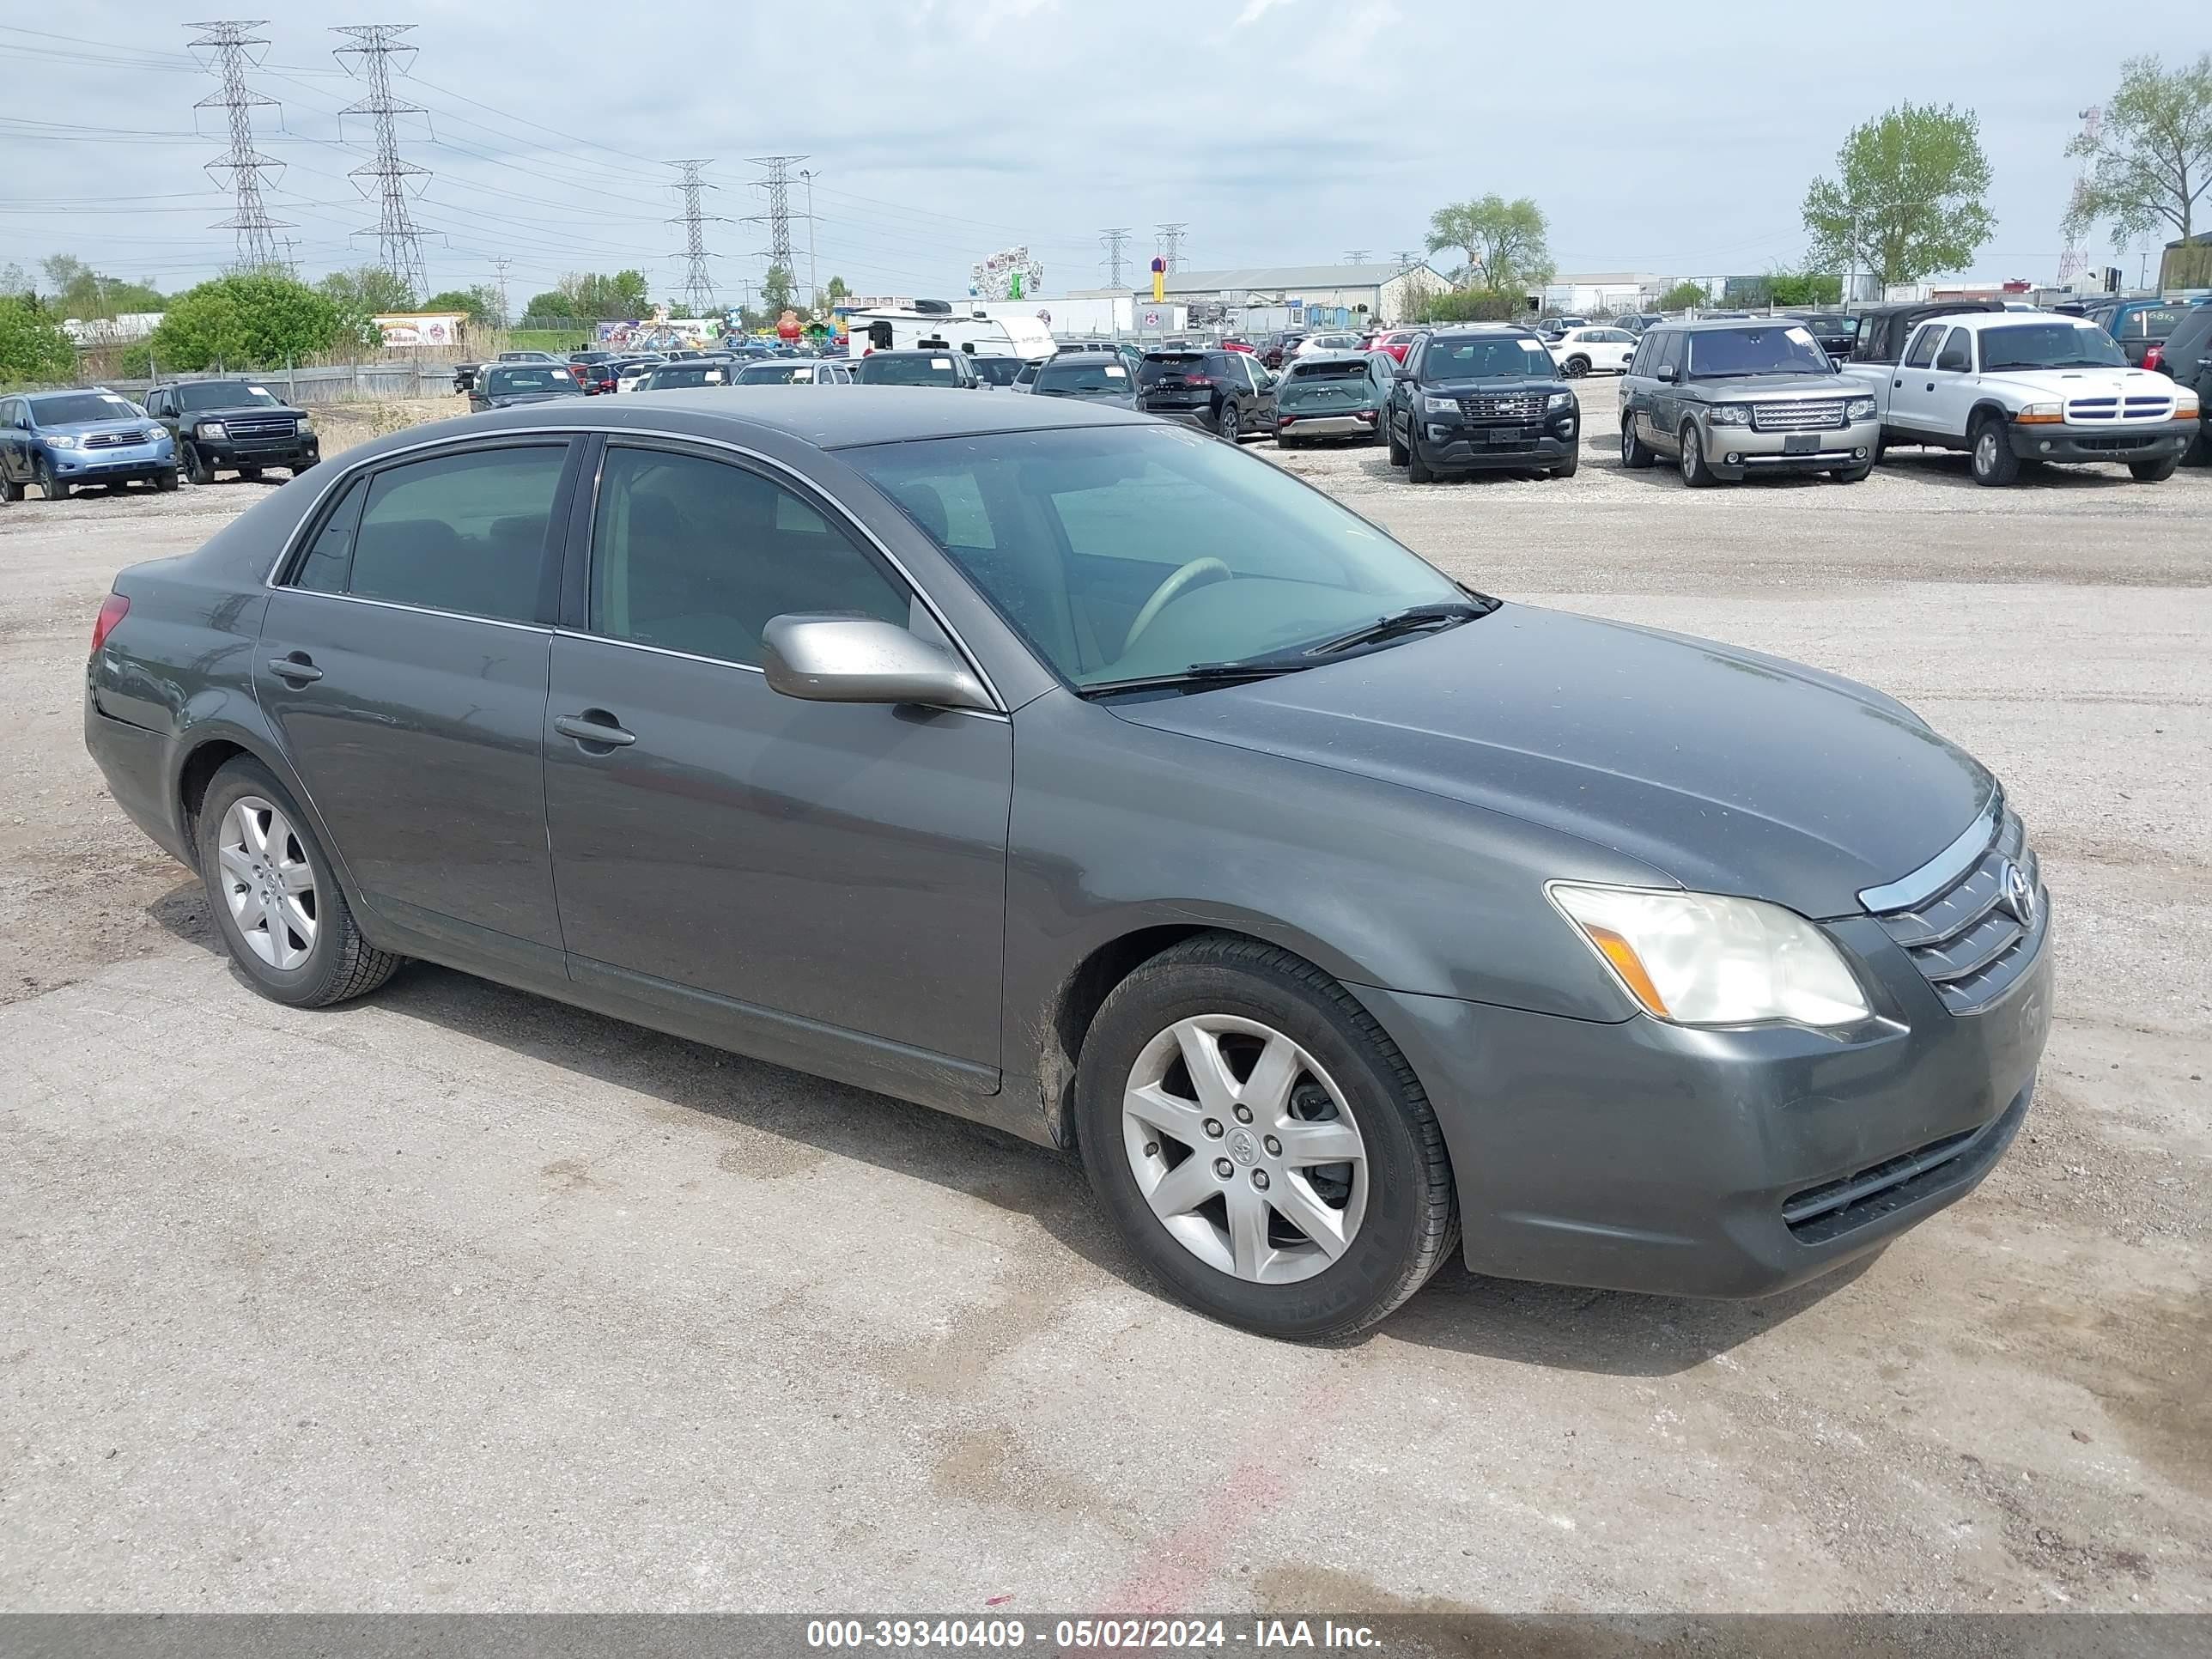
<point x="1458" y="331"/>
<point x="1334" y="357"/>
<point x="1722" y="325"/>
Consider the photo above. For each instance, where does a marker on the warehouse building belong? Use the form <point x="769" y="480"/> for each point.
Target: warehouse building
<point x="1312" y="296"/>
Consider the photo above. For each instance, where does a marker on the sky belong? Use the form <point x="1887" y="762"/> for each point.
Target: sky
<point x="1672" y="141"/>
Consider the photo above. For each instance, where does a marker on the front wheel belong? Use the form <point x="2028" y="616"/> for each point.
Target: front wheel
<point x="1993" y="461"/>
<point x="195" y="467"/>
<point x="1852" y="474"/>
<point x="165" y="481"/>
<point x="1566" y="469"/>
<point x="1398" y="457"/>
<point x="1697" y="472"/>
<point x="1260" y="1143"/>
<point x="277" y="904"/>
<point x="251" y="474"/>
<point x="1417" y="470"/>
<point x="2154" y="472"/>
<point x="49" y="486"/>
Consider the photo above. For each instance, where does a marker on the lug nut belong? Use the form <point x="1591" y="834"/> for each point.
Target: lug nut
<point x="1213" y="1128"/>
<point x="1274" y="1147"/>
<point x="1222" y="1168"/>
<point x="1151" y="1149"/>
<point x="1243" y="1113"/>
<point x="1259" y="1179"/>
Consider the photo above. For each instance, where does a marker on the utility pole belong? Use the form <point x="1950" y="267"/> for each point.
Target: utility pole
<point x="698" y="284"/>
<point x="232" y="43"/>
<point x="777" y="184"/>
<point x="814" y="275"/>
<point x="1171" y="244"/>
<point x="500" y="265"/>
<point x="1356" y="256"/>
<point x="398" y="243"/>
<point x="1115" y="241"/>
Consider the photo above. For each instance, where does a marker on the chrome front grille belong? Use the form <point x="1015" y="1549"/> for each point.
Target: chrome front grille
<point x="115" y="440"/>
<point x="1974" y="937"/>
<point x="276" y="426"/>
<point x="1513" y="408"/>
<point x="1798" y="415"/>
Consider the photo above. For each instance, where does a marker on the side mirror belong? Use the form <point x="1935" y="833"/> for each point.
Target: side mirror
<point x="860" y="660"/>
<point x="1666" y="372"/>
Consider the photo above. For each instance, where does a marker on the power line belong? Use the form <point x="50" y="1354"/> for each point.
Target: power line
<point x="249" y="217"/>
<point x="1356" y="256"/>
<point x="1406" y="258"/>
<point x="698" y="283"/>
<point x="398" y="243"/>
<point x="1114" y="241"/>
<point x="777" y="185"/>
<point x="1171" y="244"/>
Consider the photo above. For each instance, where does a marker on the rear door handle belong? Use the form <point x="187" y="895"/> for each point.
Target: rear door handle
<point x="295" y="668"/>
<point x="602" y="730"/>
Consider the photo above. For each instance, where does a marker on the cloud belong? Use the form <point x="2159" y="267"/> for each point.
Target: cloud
<point x="1254" y="10"/>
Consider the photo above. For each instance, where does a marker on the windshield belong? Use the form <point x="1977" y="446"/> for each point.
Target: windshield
<point x="71" y="407"/>
<point x="1783" y="349"/>
<point x="1327" y="382"/>
<point x="526" y="378"/>
<point x="999" y="371"/>
<point x="1072" y="534"/>
<point x="1486" y="357"/>
<point x="938" y="369"/>
<point x="1160" y="366"/>
<point x="1091" y="376"/>
<point x="2154" y="324"/>
<point x="2049" y="345"/>
<point x="224" y="394"/>
<point x="679" y="375"/>
<point x="775" y="373"/>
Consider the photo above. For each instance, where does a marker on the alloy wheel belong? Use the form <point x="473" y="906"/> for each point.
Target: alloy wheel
<point x="268" y="883"/>
<point x="1245" y="1149"/>
<point x="1985" y="452"/>
<point x="1689" y="456"/>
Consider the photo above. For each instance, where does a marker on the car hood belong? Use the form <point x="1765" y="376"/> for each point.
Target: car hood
<point x="1752" y="388"/>
<point x="1495" y="385"/>
<point x="92" y="429"/>
<point x="505" y="400"/>
<point x="2069" y="383"/>
<point x="1724" y="769"/>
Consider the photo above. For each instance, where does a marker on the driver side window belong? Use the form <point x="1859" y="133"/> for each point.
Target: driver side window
<point x="1958" y="354"/>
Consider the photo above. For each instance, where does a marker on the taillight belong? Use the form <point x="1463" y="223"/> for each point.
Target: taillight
<point x="1196" y="379"/>
<point x="2154" y="358"/>
<point x="112" y="610"/>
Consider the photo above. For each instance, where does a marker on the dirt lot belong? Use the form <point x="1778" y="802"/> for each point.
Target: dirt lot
<point x="454" y="1298"/>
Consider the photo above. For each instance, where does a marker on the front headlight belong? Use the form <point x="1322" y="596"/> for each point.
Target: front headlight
<point x="1433" y="405"/>
<point x="1859" y="409"/>
<point x="1701" y="959"/>
<point x="62" y="440"/>
<point x="2040" y="414"/>
<point x="1560" y="400"/>
<point x="307" y="427"/>
<point x="214" y="429"/>
<point x="2185" y="406"/>
<point x="1731" y="415"/>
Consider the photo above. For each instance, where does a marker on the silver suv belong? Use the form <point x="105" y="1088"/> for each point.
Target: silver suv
<point x="1728" y="398"/>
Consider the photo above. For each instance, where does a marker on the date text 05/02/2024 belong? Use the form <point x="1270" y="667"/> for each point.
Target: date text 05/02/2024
<point x="1093" y="1635"/>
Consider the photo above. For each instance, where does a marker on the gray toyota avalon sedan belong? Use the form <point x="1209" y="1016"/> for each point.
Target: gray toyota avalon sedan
<point x="1059" y="767"/>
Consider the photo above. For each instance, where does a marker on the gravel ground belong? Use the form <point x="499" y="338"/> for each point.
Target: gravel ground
<point x="455" y="1298"/>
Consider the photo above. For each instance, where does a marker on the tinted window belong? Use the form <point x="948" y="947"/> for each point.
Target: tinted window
<point x="462" y="532"/>
<point x="2155" y="324"/>
<point x="2049" y="345"/>
<point x="997" y="370"/>
<point x="1158" y="365"/>
<point x="698" y="555"/>
<point x="517" y="379"/>
<point x="1923" y="352"/>
<point x="1958" y="354"/>
<point x="919" y="368"/>
<point x="68" y="408"/>
<point x="225" y="394"/>
<point x="330" y="556"/>
<point x="1090" y="372"/>
<point x="1785" y="348"/>
<point x="1670" y="351"/>
<point x="1486" y="356"/>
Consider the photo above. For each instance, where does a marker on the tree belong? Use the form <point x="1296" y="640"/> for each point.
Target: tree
<point x="545" y="309"/>
<point x="835" y="293"/>
<point x="480" y="303"/>
<point x="74" y="289"/>
<point x="1908" y="200"/>
<point x="775" y="290"/>
<point x="1804" y="287"/>
<point x="1684" y="296"/>
<point x="246" y="322"/>
<point x="1469" y="306"/>
<point x="2151" y="159"/>
<point x="358" y="294"/>
<point x="32" y="344"/>
<point x="1504" y="241"/>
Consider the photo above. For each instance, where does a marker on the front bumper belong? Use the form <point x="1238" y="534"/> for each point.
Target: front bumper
<point x="1642" y="1156"/>
<point x="2106" y="441"/>
<point x="1755" y="450"/>
<point x="1452" y="447"/>
<point x="119" y="464"/>
<point x="297" y="450"/>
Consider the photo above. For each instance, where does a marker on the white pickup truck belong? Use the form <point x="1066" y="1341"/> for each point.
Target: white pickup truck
<point x="2013" y="388"/>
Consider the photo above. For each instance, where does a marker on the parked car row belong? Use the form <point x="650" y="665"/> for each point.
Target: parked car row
<point x="59" y="441"/>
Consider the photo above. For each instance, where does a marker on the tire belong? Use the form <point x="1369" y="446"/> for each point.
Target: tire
<point x="336" y="963"/>
<point x="1574" y="367"/>
<point x="1398" y="457"/>
<point x="1229" y="425"/>
<point x="9" y="490"/>
<point x="1697" y="472"/>
<point x="1417" y="470"/>
<point x="251" y="474"/>
<point x="165" y="482"/>
<point x="1566" y="469"/>
<point x="1990" y="455"/>
<point x="195" y="467"/>
<point x="1339" y="1067"/>
<point x="1634" y="454"/>
<point x="2156" y="471"/>
<point x="1852" y="474"/>
<point x="304" y="466"/>
<point x="50" y="487"/>
<point x="1281" y="442"/>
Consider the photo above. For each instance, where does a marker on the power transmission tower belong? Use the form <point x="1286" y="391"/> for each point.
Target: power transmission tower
<point x="1116" y="241"/>
<point x="778" y="216"/>
<point x="1406" y="258"/>
<point x="500" y="265"/>
<point x="698" y="284"/>
<point x="1171" y="244"/>
<point x="2075" y="259"/>
<point x="398" y="243"/>
<point x="231" y="43"/>
<point x="813" y="273"/>
<point x="1356" y="256"/>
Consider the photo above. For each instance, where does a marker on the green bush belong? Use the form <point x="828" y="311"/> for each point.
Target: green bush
<point x="32" y="344"/>
<point x="1472" y="305"/>
<point x="245" y="322"/>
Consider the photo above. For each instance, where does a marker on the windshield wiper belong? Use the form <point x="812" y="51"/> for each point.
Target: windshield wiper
<point x="1414" y="617"/>
<point x="1199" y="674"/>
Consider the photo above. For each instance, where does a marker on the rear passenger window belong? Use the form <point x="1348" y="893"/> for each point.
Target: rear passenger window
<point x="697" y="556"/>
<point x="1923" y="346"/>
<point x="330" y="557"/>
<point x="465" y="533"/>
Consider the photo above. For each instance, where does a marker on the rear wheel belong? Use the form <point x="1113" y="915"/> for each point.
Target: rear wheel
<point x="1261" y="1144"/>
<point x="276" y="903"/>
<point x="1992" y="459"/>
<point x="1575" y="366"/>
<point x="1230" y="426"/>
<point x="1696" y="472"/>
<point x="49" y="486"/>
<point x="9" y="490"/>
<point x="2154" y="472"/>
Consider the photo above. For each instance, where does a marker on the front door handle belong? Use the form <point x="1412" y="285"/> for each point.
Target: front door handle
<point x="585" y="728"/>
<point x="1895" y="385"/>
<point x="295" y="668"/>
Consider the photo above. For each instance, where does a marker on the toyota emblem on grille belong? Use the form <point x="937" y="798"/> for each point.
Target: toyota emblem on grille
<point x="2017" y="894"/>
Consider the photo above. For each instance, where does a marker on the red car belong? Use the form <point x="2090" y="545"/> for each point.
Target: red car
<point x="595" y="370"/>
<point x="1237" y="345"/>
<point x="1394" y="341"/>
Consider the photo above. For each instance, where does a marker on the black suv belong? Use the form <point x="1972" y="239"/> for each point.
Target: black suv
<point x="233" y="426"/>
<point x="1226" y="393"/>
<point x="1483" y="396"/>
